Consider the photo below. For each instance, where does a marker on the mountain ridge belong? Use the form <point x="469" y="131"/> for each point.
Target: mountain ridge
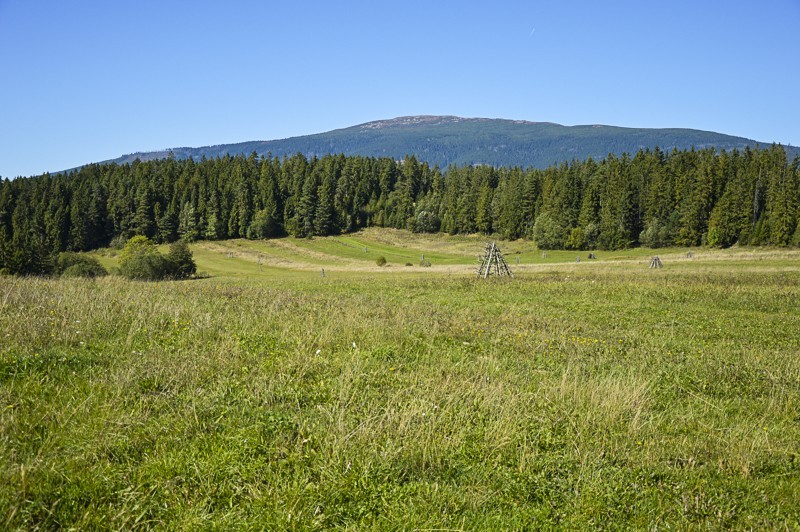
<point x="447" y="139"/>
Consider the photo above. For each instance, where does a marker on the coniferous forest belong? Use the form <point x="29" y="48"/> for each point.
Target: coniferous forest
<point x="655" y="199"/>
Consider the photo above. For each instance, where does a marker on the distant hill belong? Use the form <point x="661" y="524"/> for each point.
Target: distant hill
<point x="446" y="140"/>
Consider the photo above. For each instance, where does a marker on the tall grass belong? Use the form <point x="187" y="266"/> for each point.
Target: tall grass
<point x="603" y="397"/>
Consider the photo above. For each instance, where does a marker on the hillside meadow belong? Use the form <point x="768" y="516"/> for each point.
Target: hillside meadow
<point x="266" y="395"/>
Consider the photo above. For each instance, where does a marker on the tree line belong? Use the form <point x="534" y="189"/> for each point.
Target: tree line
<point x="653" y="198"/>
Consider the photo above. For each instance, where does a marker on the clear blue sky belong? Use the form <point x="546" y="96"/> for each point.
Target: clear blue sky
<point x="84" y="81"/>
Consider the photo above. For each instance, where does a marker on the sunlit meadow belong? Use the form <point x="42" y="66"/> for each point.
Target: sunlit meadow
<point x="266" y="395"/>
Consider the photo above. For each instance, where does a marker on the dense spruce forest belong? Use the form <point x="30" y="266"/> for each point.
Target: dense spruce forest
<point x="684" y="198"/>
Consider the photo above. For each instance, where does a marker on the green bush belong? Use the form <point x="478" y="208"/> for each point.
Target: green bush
<point x="576" y="239"/>
<point x="549" y="233"/>
<point x="141" y="260"/>
<point x="182" y="261"/>
<point x="70" y="264"/>
<point x="137" y="246"/>
<point x="118" y="242"/>
<point x="147" y="267"/>
<point x="656" y="235"/>
<point x="591" y="234"/>
<point x="381" y="261"/>
<point x="83" y="270"/>
<point x="426" y="222"/>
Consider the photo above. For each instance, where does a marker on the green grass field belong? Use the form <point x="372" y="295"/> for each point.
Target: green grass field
<point x="599" y="394"/>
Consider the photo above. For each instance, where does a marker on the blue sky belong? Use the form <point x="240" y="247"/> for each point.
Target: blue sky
<point x="84" y="81"/>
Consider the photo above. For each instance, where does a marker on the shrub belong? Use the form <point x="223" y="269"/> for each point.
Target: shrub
<point x="147" y="267"/>
<point x="426" y="222"/>
<point x="70" y="264"/>
<point x="182" y="261"/>
<point x="141" y="260"/>
<point x="409" y="264"/>
<point x="576" y="239"/>
<point x="655" y="235"/>
<point x="591" y="234"/>
<point x="381" y="261"/>
<point x="548" y="232"/>
<point x="264" y="225"/>
<point x="118" y="242"/>
<point x="84" y="269"/>
<point x="137" y="246"/>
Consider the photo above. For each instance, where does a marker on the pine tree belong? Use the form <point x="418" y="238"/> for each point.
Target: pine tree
<point x="244" y="204"/>
<point x="5" y="250"/>
<point x="144" y="219"/>
<point x="187" y="222"/>
<point x="79" y="227"/>
<point x="167" y="224"/>
<point x="307" y="204"/>
<point x="325" y="215"/>
<point x="29" y="253"/>
<point x="781" y="198"/>
<point x="97" y="217"/>
<point x="483" y="215"/>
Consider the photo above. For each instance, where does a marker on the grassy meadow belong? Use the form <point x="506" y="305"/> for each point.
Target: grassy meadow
<point x="599" y="394"/>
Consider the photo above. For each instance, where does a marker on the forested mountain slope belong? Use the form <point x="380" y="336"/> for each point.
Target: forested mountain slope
<point x="685" y="198"/>
<point x="446" y="140"/>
